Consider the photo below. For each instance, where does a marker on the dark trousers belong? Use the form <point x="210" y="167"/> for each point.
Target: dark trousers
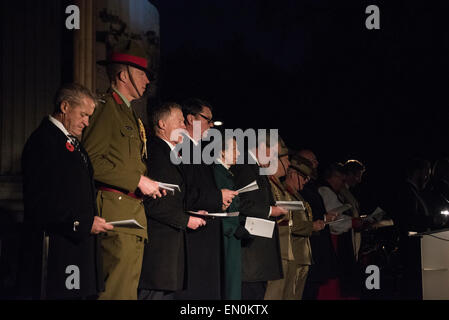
<point x="145" y="294"/>
<point x="254" y="290"/>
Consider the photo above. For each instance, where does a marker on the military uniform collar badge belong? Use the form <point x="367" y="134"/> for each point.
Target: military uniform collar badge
<point x="117" y="98"/>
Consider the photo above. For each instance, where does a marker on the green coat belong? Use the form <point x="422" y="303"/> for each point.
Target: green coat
<point x="232" y="246"/>
<point x="115" y="146"/>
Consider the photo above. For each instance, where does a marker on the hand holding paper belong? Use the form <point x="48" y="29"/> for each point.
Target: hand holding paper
<point x="127" y="224"/>
<point x="169" y="187"/>
<point x="291" y="205"/>
<point x="218" y="214"/>
<point x="250" y="187"/>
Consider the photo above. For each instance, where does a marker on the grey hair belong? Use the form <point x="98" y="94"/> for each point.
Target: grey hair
<point x="73" y="93"/>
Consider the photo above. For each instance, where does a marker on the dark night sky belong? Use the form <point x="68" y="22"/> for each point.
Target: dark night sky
<point x="311" y="69"/>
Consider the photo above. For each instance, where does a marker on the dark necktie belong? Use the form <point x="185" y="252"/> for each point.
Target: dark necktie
<point x="76" y="145"/>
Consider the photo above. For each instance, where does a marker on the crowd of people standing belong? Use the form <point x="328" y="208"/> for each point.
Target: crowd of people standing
<point x="102" y="165"/>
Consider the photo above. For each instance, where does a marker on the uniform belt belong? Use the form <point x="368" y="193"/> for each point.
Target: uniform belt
<point x="129" y="194"/>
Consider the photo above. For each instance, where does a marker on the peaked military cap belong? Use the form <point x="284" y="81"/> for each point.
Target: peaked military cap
<point x="303" y="166"/>
<point x="129" y="52"/>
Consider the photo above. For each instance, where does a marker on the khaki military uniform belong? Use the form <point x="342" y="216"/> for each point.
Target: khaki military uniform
<point x="115" y="145"/>
<point x="301" y="229"/>
<point x="283" y="288"/>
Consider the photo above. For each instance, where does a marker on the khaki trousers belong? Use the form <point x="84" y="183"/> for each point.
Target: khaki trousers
<point x="291" y="286"/>
<point x="122" y="264"/>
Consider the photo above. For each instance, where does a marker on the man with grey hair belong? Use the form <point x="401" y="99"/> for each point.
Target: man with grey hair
<point x="164" y="263"/>
<point x="60" y="208"/>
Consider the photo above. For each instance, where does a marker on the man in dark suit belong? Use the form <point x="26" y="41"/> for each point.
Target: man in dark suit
<point x="261" y="257"/>
<point x="324" y="258"/>
<point x="59" y="198"/>
<point x="204" y="246"/>
<point x="412" y="214"/>
<point x="164" y="266"/>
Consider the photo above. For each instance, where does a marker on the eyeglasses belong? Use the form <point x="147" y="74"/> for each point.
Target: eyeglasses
<point x="206" y="118"/>
<point x="304" y="176"/>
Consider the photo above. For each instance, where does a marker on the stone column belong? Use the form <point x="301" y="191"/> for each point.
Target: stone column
<point x="84" y="46"/>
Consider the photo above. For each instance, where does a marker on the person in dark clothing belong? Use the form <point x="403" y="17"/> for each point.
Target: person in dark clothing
<point x="60" y="208"/>
<point x="164" y="267"/>
<point x="436" y="194"/>
<point x="324" y="259"/>
<point x="204" y="255"/>
<point x="412" y="214"/>
<point x="261" y="257"/>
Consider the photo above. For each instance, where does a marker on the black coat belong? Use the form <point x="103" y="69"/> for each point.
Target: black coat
<point x="59" y="190"/>
<point x="204" y="245"/>
<point x="164" y="264"/>
<point x="261" y="257"/>
<point x="324" y="259"/>
<point x="411" y="213"/>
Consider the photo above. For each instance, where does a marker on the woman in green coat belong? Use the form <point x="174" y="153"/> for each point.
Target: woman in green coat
<point x="231" y="245"/>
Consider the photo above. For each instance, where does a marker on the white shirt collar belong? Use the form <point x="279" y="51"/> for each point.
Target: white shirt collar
<point x="223" y="164"/>
<point x="196" y="143"/>
<point x="58" y="124"/>
<point x="254" y="157"/>
<point x="172" y="147"/>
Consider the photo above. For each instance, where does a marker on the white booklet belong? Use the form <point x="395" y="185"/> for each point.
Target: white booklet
<point x="291" y="205"/>
<point x="260" y="227"/>
<point x="169" y="187"/>
<point x="251" y="187"/>
<point x="127" y="224"/>
<point x="377" y="215"/>
<point x="219" y="214"/>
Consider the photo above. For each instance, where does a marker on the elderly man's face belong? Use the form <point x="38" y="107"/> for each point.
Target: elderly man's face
<point x="76" y="118"/>
<point x="174" y="121"/>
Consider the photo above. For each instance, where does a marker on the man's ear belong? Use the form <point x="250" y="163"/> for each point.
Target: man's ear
<point x="64" y="106"/>
<point x="190" y="118"/>
<point x="122" y="76"/>
<point x="161" y="124"/>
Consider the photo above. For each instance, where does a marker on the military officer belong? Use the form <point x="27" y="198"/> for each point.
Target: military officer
<point x="276" y="290"/>
<point x="116" y="144"/>
<point x="302" y="224"/>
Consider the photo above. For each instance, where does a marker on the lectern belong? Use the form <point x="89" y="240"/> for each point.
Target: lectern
<point x="435" y="264"/>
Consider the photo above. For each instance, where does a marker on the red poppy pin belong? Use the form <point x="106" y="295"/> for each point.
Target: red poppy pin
<point x="69" y="146"/>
